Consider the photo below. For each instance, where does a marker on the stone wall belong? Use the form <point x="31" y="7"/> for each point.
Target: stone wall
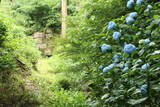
<point x="42" y="42"/>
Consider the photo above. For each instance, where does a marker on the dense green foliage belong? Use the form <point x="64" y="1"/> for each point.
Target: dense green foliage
<point x="21" y="85"/>
<point x="39" y="15"/>
<point x="15" y="46"/>
<point x="14" y="41"/>
<point x="88" y="32"/>
<point x="123" y="88"/>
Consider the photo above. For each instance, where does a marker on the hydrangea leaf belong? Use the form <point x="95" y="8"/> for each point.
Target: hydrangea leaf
<point x="135" y="102"/>
<point x="156" y="87"/>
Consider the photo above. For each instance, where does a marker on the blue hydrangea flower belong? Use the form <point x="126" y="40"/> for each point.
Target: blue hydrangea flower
<point x="129" y="48"/>
<point x="133" y="14"/>
<point x="121" y="65"/>
<point x="116" y="61"/>
<point x="145" y="67"/>
<point x="111" y="25"/>
<point x="116" y="56"/>
<point x="149" y="6"/>
<point x="147" y="41"/>
<point x="106" y="47"/>
<point x="139" y="2"/>
<point x="106" y="69"/>
<point x="130" y="4"/>
<point x="116" y="35"/>
<point x="101" y="67"/>
<point x="125" y="69"/>
<point x="143" y="91"/>
<point x="126" y="64"/>
<point x="144" y="88"/>
<point x="129" y="20"/>
<point x="111" y="66"/>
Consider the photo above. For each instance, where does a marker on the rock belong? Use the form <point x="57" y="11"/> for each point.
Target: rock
<point x="42" y="42"/>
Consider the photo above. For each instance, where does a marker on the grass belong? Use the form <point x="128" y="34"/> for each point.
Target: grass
<point x="48" y="77"/>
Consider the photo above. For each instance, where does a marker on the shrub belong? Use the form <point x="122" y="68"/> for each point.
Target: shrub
<point x="130" y="82"/>
<point x="65" y="84"/>
<point x="16" y="54"/>
<point x="64" y="98"/>
<point x="40" y="15"/>
<point x="3" y="30"/>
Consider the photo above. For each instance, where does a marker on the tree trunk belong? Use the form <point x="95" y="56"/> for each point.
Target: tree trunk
<point x="64" y="15"/>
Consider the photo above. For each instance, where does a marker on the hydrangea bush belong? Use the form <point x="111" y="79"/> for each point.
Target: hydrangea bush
<point x="129" y="72"/>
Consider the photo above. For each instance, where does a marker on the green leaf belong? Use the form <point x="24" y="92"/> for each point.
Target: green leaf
<point x="137" y="91"/>
<point x="156" y="54"/>
<point x="156" y="16"/>
<point x="105" y="96"/>
<point x="131" y="89"/>
<point x="156" y="87"/>
<point x="135" y="102"/>
<point x="111" y="99"/>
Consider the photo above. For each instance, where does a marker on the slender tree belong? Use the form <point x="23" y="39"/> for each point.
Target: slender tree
<point x="64" y="15"/>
